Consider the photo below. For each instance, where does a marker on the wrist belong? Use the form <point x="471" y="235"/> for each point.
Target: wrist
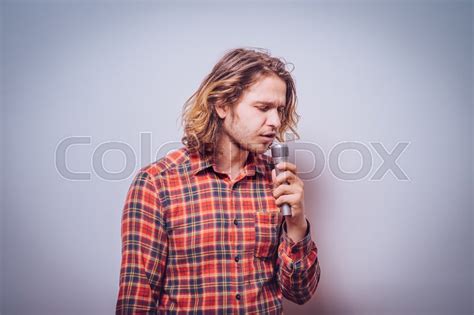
<point x="297" y="223"/>
<point x="297" y="231"/>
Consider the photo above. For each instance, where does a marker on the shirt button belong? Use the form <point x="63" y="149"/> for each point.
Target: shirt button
<point x="237" y="296"/>
<point x="237" y="258"/>
<point x="236" y="222"/>
<point x="294" y="250"/>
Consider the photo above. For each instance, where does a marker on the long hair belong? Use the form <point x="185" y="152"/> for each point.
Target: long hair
<point x="236" y="71"/>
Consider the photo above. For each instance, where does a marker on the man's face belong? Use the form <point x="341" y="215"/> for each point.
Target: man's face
<point x="252" y="123"/>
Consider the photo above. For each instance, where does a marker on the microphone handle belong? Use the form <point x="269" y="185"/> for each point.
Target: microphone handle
<point x="285" y="208"/>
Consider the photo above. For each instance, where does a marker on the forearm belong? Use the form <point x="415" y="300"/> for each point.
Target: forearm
<point x="142" y="265"/>
<point x="299" y="270"/>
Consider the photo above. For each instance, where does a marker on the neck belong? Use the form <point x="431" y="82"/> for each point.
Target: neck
<point x="229" y="157"/>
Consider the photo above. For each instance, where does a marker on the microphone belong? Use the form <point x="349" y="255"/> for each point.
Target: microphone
<point x="280" y="153"/>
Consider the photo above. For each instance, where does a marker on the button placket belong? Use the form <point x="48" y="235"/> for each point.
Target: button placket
<point x="238" y="224"/>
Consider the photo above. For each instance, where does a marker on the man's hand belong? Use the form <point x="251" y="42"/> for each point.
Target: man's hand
<point x="288" y="188"/>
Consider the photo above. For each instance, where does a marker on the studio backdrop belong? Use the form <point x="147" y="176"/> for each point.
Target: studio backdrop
<point x="92" y="91"/>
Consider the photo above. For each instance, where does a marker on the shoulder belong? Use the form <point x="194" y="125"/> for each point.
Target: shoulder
<point x="166" y="166"/>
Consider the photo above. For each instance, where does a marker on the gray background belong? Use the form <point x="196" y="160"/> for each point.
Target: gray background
<point x="366" y="72"/>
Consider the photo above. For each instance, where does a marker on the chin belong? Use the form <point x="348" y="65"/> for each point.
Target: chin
<point x="260" y="148"/>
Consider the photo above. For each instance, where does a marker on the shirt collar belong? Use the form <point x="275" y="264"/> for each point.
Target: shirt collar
<point x="199" y="162"/>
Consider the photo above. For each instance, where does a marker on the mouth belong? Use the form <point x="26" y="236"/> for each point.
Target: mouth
<point x="269" y="136"/>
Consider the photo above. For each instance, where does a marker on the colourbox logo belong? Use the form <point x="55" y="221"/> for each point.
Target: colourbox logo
<point x="312" y="153"/>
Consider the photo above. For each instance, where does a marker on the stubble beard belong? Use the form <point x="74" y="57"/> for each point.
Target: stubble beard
<point x="232" y="133"/>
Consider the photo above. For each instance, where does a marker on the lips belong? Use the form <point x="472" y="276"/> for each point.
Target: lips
<point x="269" y="136"/>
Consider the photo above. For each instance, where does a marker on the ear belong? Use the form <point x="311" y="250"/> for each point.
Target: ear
<point x="222" y="110"/>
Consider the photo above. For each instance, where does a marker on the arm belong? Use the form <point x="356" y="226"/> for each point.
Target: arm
<point x="144" y="249"/>
<point x="299" y="270"/>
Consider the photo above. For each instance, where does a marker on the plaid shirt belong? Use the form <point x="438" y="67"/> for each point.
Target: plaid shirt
<point x="195" y="242"/>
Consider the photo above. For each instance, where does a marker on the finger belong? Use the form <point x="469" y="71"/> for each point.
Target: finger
<point x="285" y="177"/>
<point x="287" y="166"/>
<point x="289" y="178"/>
<point x="282" y="190"/>
<point x="276" y="183"/>
<point x="289" y="199"/>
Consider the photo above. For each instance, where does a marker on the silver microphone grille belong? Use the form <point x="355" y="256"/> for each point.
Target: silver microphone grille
<point x="280" y="150"/>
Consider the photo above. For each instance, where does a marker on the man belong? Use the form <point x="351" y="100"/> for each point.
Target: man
<point x="201" y="229"/>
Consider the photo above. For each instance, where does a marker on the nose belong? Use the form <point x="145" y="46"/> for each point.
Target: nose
<point x="273" y="118"/>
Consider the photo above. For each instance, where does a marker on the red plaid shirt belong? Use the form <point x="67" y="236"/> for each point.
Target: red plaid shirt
<point x="195" y="242"/>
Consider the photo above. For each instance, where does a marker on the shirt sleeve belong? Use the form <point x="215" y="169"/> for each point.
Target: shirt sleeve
<point x="144" y="249"/>
<point x="299" y="270"/>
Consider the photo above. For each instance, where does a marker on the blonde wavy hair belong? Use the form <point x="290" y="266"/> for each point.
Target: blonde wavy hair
<point x="236" y="71"/>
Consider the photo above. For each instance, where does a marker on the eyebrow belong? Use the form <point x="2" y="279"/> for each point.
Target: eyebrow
<point x="269" y="104"/>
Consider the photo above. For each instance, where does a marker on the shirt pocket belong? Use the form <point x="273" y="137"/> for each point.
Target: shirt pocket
<point x="267" y="232"/>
